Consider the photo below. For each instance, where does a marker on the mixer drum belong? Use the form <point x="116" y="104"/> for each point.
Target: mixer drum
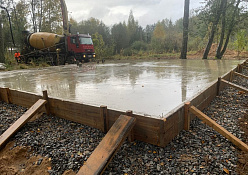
<point x="42" y="40"/>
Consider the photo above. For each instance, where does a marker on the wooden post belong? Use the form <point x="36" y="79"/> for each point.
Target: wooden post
<point x="186" y="116"/>
<point x="45" y="97"/>
<point x="131" y="135"/>
<point x="6" y="96"/>
<point x="218" y="86"/>
<point x="231" y="76"/>
<point x="104" y="118"/>
<point x="218" y="128"/>
<point x="238" y="69"/>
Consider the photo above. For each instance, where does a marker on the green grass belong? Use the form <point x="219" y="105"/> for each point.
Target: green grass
<point x="11" y="63"/>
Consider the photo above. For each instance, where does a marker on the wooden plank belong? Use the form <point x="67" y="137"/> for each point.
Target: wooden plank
<point x="218" y="128"/>
<point x="23" y="98"/>
<point x="243" y="67"/>
<point x="81" y="113"/>
<point x="5" y="95"/>
<point x="147" y="129"/>
<point x="202" y="99"/>
<point x="21" y="121"/>
<point x="186" y="116"/>
<point x="86" y="118"/>
<point x="235" y="86"/>
<point x="241" y="75"/>
<point x="108" y="147"/>
<point x="45" y="97"/>
<point x="58" y="104"/>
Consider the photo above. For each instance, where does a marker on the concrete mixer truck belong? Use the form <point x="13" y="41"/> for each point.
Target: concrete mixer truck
<point x="57" y="49"/>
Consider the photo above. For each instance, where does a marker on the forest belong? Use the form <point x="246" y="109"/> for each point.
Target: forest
<point x="222" y="23"/>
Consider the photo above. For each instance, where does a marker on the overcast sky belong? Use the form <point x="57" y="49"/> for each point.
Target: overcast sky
<point x="115" y="11"/>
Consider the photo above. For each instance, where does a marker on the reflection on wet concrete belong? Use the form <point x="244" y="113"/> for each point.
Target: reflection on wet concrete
<point x="150" y="88"/>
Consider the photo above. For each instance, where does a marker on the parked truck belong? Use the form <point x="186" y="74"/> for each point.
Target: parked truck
<point x="57" y="49"/>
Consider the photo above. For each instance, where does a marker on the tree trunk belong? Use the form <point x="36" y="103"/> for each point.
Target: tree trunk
<point x="2" y="58"/>
<point x="218" y="52"/>
<point x="41" y="15"/>
<point x="185" y="30"/>
<point x="214" y="27"/>
<point x="33" y="16"/>
<point x="230" y="29"/>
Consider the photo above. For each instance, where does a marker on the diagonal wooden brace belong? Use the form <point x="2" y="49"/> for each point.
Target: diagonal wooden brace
<point x="21" y="121"/>
<point x="218" y="128"/>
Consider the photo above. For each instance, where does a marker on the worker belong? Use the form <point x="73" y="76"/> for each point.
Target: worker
<point x="17" y="56"/>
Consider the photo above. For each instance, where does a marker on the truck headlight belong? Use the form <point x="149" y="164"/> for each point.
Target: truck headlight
<point x="94" y="56"/>
<point x="84" y="56"/>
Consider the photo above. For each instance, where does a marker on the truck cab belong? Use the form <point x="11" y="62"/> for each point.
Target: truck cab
<point x="80" y="46"/>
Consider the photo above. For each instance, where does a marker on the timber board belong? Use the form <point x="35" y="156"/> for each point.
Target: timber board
<point x="3" y="94"/>
<point x="173" y="119"/>
<point x="72" y="106"/>
<point x="146" y="129"/>
<point x="170" y="134"/>
<point x="82" y="118"/>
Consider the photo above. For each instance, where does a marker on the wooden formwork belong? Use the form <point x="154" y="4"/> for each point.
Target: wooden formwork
<point x="156" y="131"/>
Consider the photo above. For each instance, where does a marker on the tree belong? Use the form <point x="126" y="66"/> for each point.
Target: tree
<point x="185" y="30"/>
<point x="19" y="21"/>
<point x="233" y="22"/>
<point x="132" y="27"/>
<point x="241" y="41"/>
<point x="217" y="7"/>
<point x="99" y="45"/>
<point x="2" y="58"/>
<point x="119" y="35"/>
<point x="158" y="38"/>
<point x="52" y="16"/>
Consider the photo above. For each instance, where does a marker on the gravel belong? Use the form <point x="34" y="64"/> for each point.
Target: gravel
<point x="198" y="151"/>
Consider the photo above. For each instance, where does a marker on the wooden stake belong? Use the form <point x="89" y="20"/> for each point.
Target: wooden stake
<point x="108" y="147"/>
<point x="5" y="95"/>
<point x="186" y="116"/>
<point x="235" y="86"/>
<point x="219" y="128"/>
<point x="45" y="97"/>
<point x="218" y="86"/>
<point x="21" y="121"/>
<point x="239" y="68"/>
<point x="231" y="76"/>
<point x="131" y="135"/>
<point x="103" y="115"/>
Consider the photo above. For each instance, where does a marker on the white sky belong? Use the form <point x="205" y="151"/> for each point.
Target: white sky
<point x="115" y="11"/>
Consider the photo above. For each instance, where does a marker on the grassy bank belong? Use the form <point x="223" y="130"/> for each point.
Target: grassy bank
<point x="11" y="63"/>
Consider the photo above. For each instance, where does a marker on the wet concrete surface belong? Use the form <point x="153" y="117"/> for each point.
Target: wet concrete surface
<point x="147" y="87"/>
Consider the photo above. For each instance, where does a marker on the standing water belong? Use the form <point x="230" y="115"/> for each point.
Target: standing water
<point x="149" y="88"/>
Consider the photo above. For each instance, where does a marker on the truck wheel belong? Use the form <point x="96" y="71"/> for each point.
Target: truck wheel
<point x="70" y="60"/>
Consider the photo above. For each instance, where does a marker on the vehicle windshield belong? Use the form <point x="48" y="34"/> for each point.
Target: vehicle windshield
<point x="85" y="40"/>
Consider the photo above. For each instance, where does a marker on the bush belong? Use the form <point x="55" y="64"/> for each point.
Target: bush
<point x="139" y="45"/>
